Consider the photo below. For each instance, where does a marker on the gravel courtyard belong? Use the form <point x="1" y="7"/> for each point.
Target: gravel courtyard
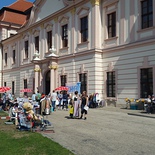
<point x="107" y="131"/>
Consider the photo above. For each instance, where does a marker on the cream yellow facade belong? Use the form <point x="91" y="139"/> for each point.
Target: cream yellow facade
<point x="131" y="49"/>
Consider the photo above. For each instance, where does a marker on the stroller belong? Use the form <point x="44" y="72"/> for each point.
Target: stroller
<point x="29" y="120"/>
<point x="35" y="123"/>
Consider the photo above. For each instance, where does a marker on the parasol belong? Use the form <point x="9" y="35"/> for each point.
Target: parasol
<point x="62" y="88"/>
<point x="4" y="89"/>
<point x="26" y="90"/>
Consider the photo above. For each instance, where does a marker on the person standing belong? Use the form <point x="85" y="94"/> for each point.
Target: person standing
<point x="33" y="97"/>
<point x="4" y="101"/>
<point x="147" y="105"/>
<point x="25" y="99"/>
<point x="53" y="99"/>
<point x="84" y="102"/>
<point x="65" y="100"/>
<point x="90" y="101"/>
<point x="71" y="108"/>
<point x="153" y="104"/>
<point x="10" y="96"/>
<point x="60" y="96"/>
<point x="76" y="103"/>
<point x="38" y="97"/>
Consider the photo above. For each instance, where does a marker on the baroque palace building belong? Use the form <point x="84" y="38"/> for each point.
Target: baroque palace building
<point x="107" y="45"/>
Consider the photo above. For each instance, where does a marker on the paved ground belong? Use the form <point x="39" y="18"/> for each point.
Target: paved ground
<point x="107" y="131"/>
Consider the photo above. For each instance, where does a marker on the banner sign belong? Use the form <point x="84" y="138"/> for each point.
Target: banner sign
<point x="73" y="87"/>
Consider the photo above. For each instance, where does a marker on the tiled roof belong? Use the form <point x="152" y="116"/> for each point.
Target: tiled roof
<point x="12" y="17"/>
<point x="15" y="13"/>
<point x="20" y="5"/>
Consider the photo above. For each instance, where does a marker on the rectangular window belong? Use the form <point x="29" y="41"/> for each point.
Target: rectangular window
<point x="25" y="86"/>
<point x="146" y="82"/>
<point x="112" y="25"/>
<point x="26" y="49"/>
<point x="65" y="35"/>
<point x="37" y="43"/>
<point x="5" y="58"/>
<point x="33" y="84"/>
<point x="84" y="29"/>
<point x="83" y="80"/>
<point x="63" y="79"/>
<point x="14" y="56"/>
<point x="49" y="39"/>
<point x="147" y="13"/>
<point x="110" y="84"/>
<point x="13" y="87"/>
<point x="4" y="84"/>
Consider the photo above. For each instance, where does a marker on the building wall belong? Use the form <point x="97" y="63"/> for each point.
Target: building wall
<point x="128" y="52"/>
<point x="127" y="63"/>
<point x="46" y="8"/>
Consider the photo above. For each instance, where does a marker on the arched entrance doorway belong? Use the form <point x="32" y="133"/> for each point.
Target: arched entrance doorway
<point x="47" y="83"/>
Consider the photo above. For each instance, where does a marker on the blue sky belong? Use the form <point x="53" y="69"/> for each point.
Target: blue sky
<point x="4" y="3"/>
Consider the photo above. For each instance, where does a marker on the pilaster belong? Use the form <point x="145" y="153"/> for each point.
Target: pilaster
<point x="53" y="76"/>
<point x="37" y="71"/>
<point x="96" y="28"/>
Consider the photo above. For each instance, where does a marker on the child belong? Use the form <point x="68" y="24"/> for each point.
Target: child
<point x="71" y="108"/>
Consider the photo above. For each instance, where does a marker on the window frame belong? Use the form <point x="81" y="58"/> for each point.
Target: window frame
<point x="49" y="39"/>
<point x="147" y="14"/>
<point x="25" y="85"/>
<point x="26" y="43"/>
<point x="83" y="82"/>
<point x="4" y="84"/>
<point x="6" y="58"/>
<point x="111" y="24"/>
<point x="13" y="87"/>
<point x="37" y="43"/>
<point x="84" y="26"/>
<point x="63" y="80"/>
<point x="14" y="56"/>
<point x="146" y="83"/>
<point x="112" y="84"/>
<point x="64" y="35"/>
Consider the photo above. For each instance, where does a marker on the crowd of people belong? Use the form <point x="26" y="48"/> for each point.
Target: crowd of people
<point x="77" y="104"/>
<point x="5" y="100"/>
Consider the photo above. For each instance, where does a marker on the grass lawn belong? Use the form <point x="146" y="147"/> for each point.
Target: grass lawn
<point x="15" y="142"/>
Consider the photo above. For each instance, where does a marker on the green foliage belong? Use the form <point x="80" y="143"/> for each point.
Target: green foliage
<point x="27" y="143"/>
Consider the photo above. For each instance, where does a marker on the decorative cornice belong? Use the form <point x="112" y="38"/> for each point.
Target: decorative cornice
<point x="37" y="70"/>
<point x="42" y="26"/>
<point x="68" y="2"/>
<point x="53" y="67"/>
<point x="95" y="2"/>
<point x="73" y="11"/>
<point x="56" y="19"/>
<point x="109" y="2"/>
